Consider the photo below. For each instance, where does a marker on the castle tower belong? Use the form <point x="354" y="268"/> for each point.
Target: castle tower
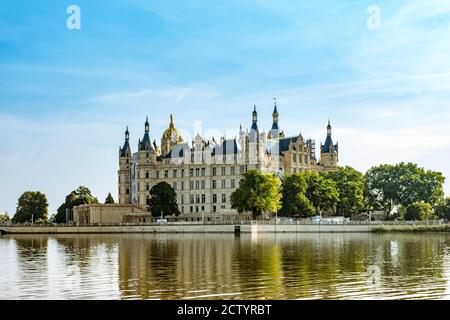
<point x="329" y="153"/>
<point x="170" y="138"/>
<point x="125" y="171"/>
<point x="274" y="132"/>
<point x="253" y="139"/>
<point x="146" y="144"/>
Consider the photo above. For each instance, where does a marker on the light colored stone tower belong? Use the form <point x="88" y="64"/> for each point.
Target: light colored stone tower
<point x="329" y="152"/>
<point x="124" y="171"/>
<point x="275" y="133"/>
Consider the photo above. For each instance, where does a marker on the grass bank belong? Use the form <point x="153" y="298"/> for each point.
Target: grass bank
<point x="413" y="228"/>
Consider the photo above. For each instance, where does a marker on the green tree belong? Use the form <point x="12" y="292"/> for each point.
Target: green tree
<point x="257" y="193"/>
<point x="381" y="187"/>
<point x="4" y="217"/>
<point x="32" y="205"/>
<point x="294" y="201"/>
<point x="82" y="195"/>
<point x="52" y="218"/>
<point x="403" y="184"/>
<point x="321" y="191"/>
<point x="443" y="209"/>
<point x="350" y="186"/>
<point x="163" y="200"/>
<point x="417" y="184"/>
<point x="109" y="199"/>
<point x="419" y="211"/>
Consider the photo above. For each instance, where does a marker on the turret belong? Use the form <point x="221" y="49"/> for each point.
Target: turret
<point x="146" y="144"/>
<point x="254" y="119"/>
<point x="274" y="132"/>
<point x="147" y="126"/>
<point x="254" y="130"/>
<point x="125" y="171"/>
<point x="125" y="151"/>
<point x="329" y="155"/>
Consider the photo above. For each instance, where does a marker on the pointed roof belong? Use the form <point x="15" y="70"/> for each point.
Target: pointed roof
<point x="328" y="146"/>
<point x="146" y="144"/>
<point x="126" y="146"/>
<point x="254" y="119"/>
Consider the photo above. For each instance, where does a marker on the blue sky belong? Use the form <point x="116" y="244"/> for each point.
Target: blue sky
<point x="67" y="95"/>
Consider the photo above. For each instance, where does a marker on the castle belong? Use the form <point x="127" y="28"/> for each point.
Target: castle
<point x="205" y="173"/>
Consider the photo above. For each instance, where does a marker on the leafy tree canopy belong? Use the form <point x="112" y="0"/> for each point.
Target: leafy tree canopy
<point x="163" y="200"/>
<point x="82" y="195"/>
<point x="443" y="209"/>
<point x="419" y="211"/>
<point x="109" y="199"/>
<point x="403" y="184"/>
<point x="321" y="191"/>
<point x="31" y="205"/>
<point x="4" y="217"/>
<point x="294" y="200"/>
<point x="350" y="186"/>
<point x="257" y="193"/>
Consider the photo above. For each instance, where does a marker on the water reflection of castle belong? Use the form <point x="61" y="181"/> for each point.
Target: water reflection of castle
<point x="188" y="265"/>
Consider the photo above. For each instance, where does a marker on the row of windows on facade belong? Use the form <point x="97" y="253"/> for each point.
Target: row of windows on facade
<point x="294" y="158"/>
<point x="201" y="157"/>
<point x="197" y="185"/>
<point x="200" y="209"/>
<point x="202" y="198"/>
<point x="197" y="172"/>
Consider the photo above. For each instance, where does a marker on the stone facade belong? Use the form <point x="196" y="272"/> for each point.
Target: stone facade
<point x="205" y="173"/>
<point x="109" y="213"/>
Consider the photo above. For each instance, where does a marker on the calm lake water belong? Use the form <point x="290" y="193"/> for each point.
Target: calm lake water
<point x="222" y="266"/>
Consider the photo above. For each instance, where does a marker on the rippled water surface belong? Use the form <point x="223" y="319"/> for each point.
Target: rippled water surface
<point x="222" y="266"/>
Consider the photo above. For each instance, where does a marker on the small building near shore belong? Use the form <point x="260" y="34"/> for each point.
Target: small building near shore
<point x="110" y="213"/>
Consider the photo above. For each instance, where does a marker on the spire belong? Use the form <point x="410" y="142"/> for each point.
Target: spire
<point x="241" y="132"/>
<point x="127" y="135"/>
<point x="328" y="146"/>
<point x="171" y="125"/>
<point x="146" y="144"/>
<point x="147" y="125"/>
<point x="125" y="151"/>
<point x="274" y="132"/>
<point x="254" y="119"/>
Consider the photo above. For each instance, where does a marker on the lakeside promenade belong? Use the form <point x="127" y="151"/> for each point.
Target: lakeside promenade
<point x="236" y="227"/>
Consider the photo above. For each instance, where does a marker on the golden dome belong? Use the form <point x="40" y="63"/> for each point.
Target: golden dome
<point x="171" y="133"/>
